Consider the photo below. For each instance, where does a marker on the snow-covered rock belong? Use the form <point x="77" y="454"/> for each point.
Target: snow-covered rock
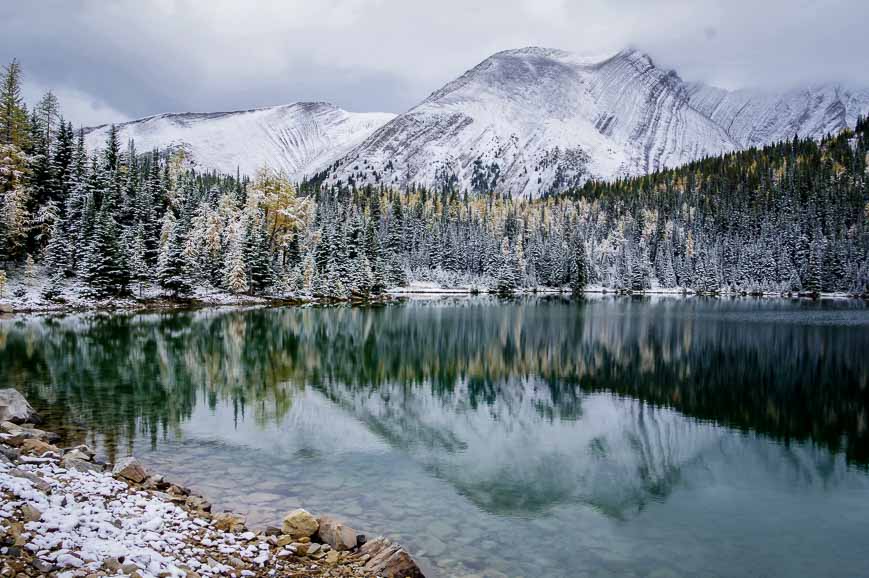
<point x="300" y="138"/>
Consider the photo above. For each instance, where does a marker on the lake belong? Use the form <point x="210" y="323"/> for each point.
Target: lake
<point x="612" y="436"/>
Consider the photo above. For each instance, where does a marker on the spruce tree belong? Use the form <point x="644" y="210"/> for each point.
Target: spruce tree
<point x="235" y="271"/>
<point x="140" y="271"/>
<point x="14" y="125"/>
<point x="105" y="269"/>
<point x="173" y="273"/>
<point x="579" y="279"/>
<point x="256" y="251"/>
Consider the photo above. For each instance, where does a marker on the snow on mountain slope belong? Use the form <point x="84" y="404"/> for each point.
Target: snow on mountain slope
<point x="300" y="138"/>
<point x="755" y="118"/>
<point x="534" y="120"/>
<point x="524" y="122"/>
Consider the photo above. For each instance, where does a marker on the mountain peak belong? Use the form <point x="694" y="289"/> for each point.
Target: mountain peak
<point x="300" y="138"/>
<point x="533" y="120"/>
<point x="532" y="51"/>
<point x="526" y="121"/>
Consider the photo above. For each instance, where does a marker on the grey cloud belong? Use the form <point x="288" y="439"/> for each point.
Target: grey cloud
<point x="173" y="55"/>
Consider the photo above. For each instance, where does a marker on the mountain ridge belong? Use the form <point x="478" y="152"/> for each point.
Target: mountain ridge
<point x="299" y="138"/>
<point x="525" y="121"/>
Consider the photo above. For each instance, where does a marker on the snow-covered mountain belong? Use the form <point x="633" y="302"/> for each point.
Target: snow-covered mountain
<point x="300" y="139"/>
<point x="756" y="118"/>
<point x="535" y="119"/>
<point x="524" y="121"/>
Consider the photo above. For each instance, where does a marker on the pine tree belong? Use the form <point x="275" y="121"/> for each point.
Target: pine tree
<point x="29" y="270"/>
<point x="57" y="252"/>
<point x="15" y="197"/>
<point x="256" y="254"/>
<point x="579" y="280"/>
<point x="14" y="129"/>
<point x="308" y="273"/>
<point x="173" y="272"/>
<point x="235" y="269"/>
<point x="363" y="275"/>
<point x="507" y="280"/>
<point x="140" y="271"/>
<point x="373" y="253"/>
<point x="105" y="269"/>
<point x="813" y="281"/>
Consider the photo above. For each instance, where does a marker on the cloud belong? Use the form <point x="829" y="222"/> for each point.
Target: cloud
<point x="78" y="108"/>
<point x="134" y="59"/>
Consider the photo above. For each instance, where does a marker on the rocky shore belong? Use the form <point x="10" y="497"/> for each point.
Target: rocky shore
<point x="65" y="514"/>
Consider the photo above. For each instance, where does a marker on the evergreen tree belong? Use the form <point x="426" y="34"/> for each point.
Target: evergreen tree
<point x="579" y="280"/>
<point x="105" y="267"/>
<point x="256" y="254"/>
<point x="14" y="125"/>
<point x="173" y="272"/>
<point x="235" y="272"/>
<point x="507" y="281"/>
<point x="140" y="271"/>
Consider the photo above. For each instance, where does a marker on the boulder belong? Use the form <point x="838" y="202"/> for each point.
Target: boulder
<point x="84" y="450"/>
<point x="336" y="534"/>
<point x="130" y="469"/>
<point x="15" y="434"/>
<point x="389" y="560"/>
<point x="332" y="557"/>
<point x="71" y="462"/>
<point x="38" y="483"/>
<point x="178" y="491"/>
<point x="30" y="514"/>
<point x="156" y="482"/>
<point x="198" y="503"/>
<point x="272" y="531"/>
<point x="77" y="455"/>
<point x="11" y="453"/>
<point x="300" y="524"/>
<point x="229" y="522"/>
<point x="38" y="448"/>
<point x="14" y="408"/>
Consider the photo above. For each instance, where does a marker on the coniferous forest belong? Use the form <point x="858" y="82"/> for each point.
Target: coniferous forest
<point x="792" y="217"/>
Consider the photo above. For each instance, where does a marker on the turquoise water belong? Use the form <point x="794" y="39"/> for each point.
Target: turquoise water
<point x="539" y="437"/>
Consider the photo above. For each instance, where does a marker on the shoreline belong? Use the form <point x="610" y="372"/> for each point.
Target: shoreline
<point x="168" y="303"/>
<point x="65" y="514"/>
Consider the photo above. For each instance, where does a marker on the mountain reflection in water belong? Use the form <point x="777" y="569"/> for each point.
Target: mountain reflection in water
<point x="522" y="408"/>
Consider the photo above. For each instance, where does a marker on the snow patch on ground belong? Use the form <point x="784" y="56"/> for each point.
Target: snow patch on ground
<point x="89" y="517"/>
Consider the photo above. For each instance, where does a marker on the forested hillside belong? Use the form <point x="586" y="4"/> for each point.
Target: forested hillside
<point x="791" y="217"/>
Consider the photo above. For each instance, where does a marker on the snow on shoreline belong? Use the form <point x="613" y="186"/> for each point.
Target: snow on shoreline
<point x="71" y="517"/>
<point x="90" y="517"/>
<point x="73" y="298"/>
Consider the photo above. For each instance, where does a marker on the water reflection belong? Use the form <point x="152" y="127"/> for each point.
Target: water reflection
<point x="606" y="435"/>
<point x="791" y="370"/>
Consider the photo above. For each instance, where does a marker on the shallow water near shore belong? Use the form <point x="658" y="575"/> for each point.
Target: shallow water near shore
<point x="612" y="436"/>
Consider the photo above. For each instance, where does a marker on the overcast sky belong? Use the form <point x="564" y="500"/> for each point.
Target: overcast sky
<point x="111" y="61"/>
